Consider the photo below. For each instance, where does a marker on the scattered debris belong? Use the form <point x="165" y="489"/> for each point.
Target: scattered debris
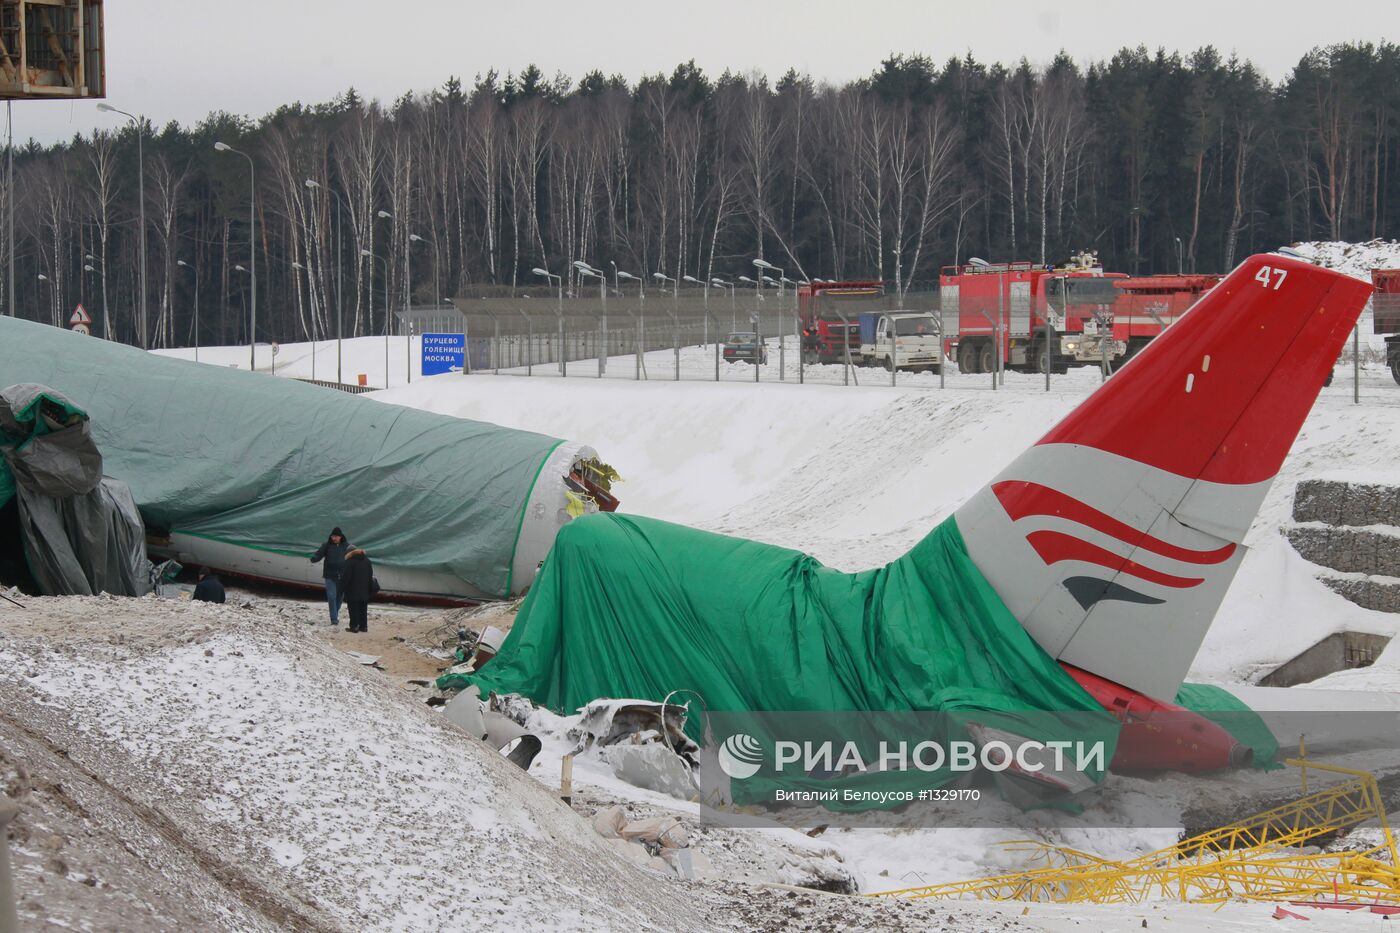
<point x="652" y="766"/>
<point x="468" y="713"/>
<point x="368" y="660"/>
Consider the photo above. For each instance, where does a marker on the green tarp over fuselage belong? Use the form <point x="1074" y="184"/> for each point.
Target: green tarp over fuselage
<point x="632" y="607"/>
<point x="273" y="463"/>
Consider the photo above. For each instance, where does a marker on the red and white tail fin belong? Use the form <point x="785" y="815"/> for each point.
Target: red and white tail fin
<point x="1114" y="538"/>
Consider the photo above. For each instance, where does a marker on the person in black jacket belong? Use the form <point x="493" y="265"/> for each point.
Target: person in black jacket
<point x="209" y="589"/>
<point x="333" y="553"/>
<point x="357" y="585"/>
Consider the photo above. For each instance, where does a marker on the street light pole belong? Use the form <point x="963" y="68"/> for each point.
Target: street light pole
<point x="641" y="310"/>
<point x="563" y="356"/>
<point x="339" y="291"/>
<point x="310" y="295"/>
<point x="782" y="330"/>
<point x="385" y="263"/>
<point x="106" y="318"/>
<point x="181" y="262"/>
<point x="252" y="255"/>
<point x="663" y="278"/>
<point x="141" y="206"/>
<point x="10" y="205"/>
<point x="586" y="270"/>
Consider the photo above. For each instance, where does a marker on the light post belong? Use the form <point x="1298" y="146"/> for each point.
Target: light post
<point x="138" y="124"/>
<point x="1180" y="256"/>
<point x="408" y="301"/>
<point x="10" y="201"/>
<point x="101" y="269"/>
<point x="251" y="341"/>
<point x="618" y="275"/>
<point x="755" y="317"/>
<point x="339" y="293"/>
<point x="705" y="303"/>
<point x="782" y="331"/>
<point x="385" y="263"/>
<point x="185" y="265"/>
<point x="252" y="253"/>
<point x="585" y="270"/>
<point x="563" y="356"/>
<point x="733" y="308"/>
<point x="300" y="268"/>
<point x="44" y="280"/>
<point x="663" y="278"/>
<point x="388" y="315"/>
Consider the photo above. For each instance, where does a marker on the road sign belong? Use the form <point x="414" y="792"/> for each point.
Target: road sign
<point x="80" y="316"/>
<point x="443" y="353"/>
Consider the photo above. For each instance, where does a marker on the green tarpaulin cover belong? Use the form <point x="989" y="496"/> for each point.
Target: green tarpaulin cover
<point x="636" y="608"/>
<point x="273" y="463"/>
<point x="631" y="607"/>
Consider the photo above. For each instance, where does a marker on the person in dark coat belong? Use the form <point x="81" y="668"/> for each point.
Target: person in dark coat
<point x="333" y="553"/>
<point x="209" y="589"/>
<point x="357" y="586"/>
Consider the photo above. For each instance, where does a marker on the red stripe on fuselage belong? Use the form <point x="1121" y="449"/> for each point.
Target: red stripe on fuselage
<point x="1053" y="547"/>
<point x="1022" y="499"/>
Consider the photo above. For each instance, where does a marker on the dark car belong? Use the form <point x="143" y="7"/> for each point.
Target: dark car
<point x="744" y="348"/>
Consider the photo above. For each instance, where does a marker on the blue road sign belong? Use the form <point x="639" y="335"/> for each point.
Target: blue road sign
<point x="443" y="353"/>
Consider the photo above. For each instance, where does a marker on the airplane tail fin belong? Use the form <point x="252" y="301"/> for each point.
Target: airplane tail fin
<point x="1114" y="538"/>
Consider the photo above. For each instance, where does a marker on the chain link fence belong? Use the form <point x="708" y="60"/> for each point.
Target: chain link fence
<point x="682" y="336"/>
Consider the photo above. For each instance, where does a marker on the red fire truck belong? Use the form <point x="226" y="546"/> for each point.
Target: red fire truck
<point x="1010" y="301"/>
<point x="1147" y="304"/>
<point x="830" y="315"/>
<point x="1385" y="306"/>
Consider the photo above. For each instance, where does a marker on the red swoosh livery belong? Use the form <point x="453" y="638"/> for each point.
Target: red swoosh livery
<point x="1115" y="537"/>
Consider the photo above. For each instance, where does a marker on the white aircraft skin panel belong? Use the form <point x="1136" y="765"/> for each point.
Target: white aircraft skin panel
<point x="1138" y="625"/>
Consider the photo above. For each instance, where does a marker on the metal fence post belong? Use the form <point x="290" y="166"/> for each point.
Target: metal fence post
<point x="529" y="342"/>
<point x="707" y="317"/>
<point x="894" y="351"/>
<point x="1356" y="364"/>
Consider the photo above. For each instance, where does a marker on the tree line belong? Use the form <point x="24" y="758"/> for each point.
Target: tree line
<point x="1156" y="160"/>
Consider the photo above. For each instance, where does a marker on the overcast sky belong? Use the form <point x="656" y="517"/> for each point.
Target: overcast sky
<point x="180" y="59"/>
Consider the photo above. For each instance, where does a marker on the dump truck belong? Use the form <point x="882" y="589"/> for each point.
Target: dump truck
<point x="830" y="314"/>
<point x="1385" y="305"/>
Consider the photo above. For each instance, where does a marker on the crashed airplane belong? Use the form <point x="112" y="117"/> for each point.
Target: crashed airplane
<point x="245" y="474"/>
<point x="1081" y="580"/>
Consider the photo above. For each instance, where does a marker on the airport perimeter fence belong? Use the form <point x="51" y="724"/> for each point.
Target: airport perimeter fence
<point x="680" y="337"/>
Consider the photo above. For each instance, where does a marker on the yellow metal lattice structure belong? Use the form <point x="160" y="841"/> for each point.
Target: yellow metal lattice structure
<point x="1257" y="858"/>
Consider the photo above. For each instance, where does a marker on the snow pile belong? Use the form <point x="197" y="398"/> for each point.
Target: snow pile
<point x="1354" y="259"/>
<point x="332" y="791"/>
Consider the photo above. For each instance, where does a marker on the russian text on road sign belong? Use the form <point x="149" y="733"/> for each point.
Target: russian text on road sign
<point x="443" y="353"/>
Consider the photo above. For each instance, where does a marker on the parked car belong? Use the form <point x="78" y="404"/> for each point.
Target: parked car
<point x="744" y="348"/>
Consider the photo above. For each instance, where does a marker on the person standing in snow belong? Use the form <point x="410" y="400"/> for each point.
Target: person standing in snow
<point x="333" y="553"/>
<point x="357" y="585"/>
<point x="209" y="589"/>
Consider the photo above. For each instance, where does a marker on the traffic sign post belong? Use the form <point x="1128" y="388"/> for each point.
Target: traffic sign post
<point x="80" y="322"/>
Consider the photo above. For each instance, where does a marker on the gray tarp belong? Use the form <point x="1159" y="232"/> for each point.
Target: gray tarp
<point x="274" y="463"/>
<point x="82" y="533"/>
